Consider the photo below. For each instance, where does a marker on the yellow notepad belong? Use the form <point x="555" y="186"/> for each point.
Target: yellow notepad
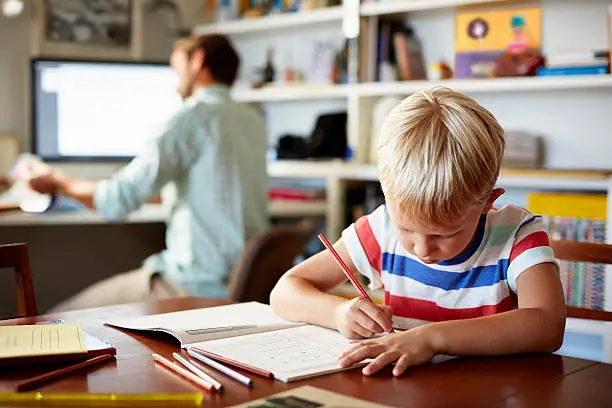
<point x="41" y="340"/>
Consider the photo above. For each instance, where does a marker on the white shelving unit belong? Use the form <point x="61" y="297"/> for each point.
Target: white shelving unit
<point x="272" y="22"/>
<point x="381" y="8"/>
<point x="360" y="98"/>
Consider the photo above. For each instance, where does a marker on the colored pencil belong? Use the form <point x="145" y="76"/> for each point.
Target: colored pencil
<point x="59" y="373"/>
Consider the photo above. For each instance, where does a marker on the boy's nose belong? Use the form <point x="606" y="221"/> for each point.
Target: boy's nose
<point x="424" y="250"/>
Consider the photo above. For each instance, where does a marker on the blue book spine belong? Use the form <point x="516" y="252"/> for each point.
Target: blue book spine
<point x="590" y="70"/>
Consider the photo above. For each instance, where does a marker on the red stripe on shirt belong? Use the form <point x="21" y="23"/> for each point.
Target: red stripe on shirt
<point x="369" y="243"/>
<point x="430" y="311"/>
<point x="534" y="240"/>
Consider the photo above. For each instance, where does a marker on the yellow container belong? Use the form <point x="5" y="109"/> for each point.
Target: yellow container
<point x="590" y="206"/>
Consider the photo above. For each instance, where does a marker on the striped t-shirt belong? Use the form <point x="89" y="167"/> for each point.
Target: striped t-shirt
<point x="478" y="282"/>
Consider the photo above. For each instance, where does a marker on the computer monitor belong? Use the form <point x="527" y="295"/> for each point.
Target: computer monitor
<point x="99" y="109"/>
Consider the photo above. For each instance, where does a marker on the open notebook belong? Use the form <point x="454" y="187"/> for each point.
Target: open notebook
<point x="252" y="334"/>
<point x="192" y="326"/>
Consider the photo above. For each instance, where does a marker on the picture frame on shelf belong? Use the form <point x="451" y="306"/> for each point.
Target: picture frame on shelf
<point x="96" y="29"/>
<point x="107" y="23"/>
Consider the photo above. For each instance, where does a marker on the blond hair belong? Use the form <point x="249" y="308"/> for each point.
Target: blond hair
<point x="438" y="152"/>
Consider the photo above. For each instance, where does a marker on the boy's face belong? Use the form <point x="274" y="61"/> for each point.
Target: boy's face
<point x="437" y="243"/>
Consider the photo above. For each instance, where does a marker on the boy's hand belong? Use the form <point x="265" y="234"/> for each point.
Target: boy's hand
<point x="409" y="348"/>
<point x="359" y="318"/>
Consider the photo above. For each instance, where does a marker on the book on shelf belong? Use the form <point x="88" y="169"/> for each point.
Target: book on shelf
<point x="581" y="218"/>
<point x="601" y="69"/>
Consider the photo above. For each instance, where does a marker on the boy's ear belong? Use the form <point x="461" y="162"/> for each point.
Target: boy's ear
<point x="495" y="194"/>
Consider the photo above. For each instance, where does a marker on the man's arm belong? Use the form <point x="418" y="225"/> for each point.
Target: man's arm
<point x="164" y="158"/>
<point x="81" y="190"/>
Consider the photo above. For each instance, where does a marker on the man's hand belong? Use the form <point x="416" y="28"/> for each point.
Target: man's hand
<point x="359" y="318"/>
<point x="409" y="348"/>
<point x="46" y="180"/>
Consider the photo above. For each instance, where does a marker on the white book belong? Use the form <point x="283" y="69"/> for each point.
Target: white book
<point x="192" y="326"/>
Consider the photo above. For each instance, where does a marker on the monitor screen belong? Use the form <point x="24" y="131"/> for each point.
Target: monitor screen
<point x="105" y="110"/>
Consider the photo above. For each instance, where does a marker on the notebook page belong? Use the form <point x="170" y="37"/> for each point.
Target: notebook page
<point x="290" y="354"/>
<point x="190" y="326"/>
<point x="41" y="340"/>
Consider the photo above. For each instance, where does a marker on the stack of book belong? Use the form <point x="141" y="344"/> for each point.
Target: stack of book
<point x="592" y="62"/>
<point x="576" y="217"/>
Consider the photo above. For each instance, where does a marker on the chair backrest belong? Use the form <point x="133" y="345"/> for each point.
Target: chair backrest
<point x="265" y="259"/>
<point x="584" y="252"/>
<point x="16" y="256"/>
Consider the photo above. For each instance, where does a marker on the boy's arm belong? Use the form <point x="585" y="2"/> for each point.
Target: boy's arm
<point x="536" y="326"/>
<point x="301" y="295"/>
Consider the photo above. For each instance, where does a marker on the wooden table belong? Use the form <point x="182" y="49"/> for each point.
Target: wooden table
<point x="520" y="381"/>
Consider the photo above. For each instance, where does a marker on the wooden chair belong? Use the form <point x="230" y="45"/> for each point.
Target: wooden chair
<point x="15" y="256"/>
<point x="584" y="252"/>
<point x="265" y="259"/>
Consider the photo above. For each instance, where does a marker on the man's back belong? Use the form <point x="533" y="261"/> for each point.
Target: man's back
<point x="221" y="197"/>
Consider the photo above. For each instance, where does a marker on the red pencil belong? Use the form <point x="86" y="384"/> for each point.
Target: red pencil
<point x="346" y="270"/>
<point x="52" y="375"/>
<point x="245" y="367"/>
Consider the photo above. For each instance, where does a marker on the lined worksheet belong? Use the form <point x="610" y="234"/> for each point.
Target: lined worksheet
<point x="290" y="354"/>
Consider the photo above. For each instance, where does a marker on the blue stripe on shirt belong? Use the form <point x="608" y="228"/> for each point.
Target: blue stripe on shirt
<point x="478" y="276"/>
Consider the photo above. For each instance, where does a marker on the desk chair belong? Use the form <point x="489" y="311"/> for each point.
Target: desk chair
<point x="264" y="260"/>
<point x="584" y="252"/>
<point x="15" y="256"/>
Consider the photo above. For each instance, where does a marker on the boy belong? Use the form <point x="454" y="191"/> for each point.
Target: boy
<point x="464" y="277"/>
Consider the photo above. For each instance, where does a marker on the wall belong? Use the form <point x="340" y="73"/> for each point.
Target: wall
<point x="14" y="55"/>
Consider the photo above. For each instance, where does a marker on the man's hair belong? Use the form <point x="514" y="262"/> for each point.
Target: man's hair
<point x="219" y="55"/>
<point x="438" y="152"/>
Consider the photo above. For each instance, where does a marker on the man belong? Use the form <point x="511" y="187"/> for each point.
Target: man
<point x="213" y="152"/>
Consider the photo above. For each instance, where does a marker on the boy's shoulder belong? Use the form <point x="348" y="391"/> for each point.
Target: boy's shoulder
<point x="510" y="215"/>
<point x="509" y="225"/>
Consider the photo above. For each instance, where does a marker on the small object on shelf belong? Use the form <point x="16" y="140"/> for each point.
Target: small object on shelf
<point x="227" y="10"/>
<point x="523" y="150"/>
<point x="523" y="64"/>
<point x="267" y="72"/>
<point x="340" y="66"/>
<point x="439" y="70"/>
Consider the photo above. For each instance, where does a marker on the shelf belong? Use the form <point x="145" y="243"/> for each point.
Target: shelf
<point x="379" y="8"/>
<point x="249" y="25"/>
<point x="322" y="169"/>
<point x="277" y="93"/>
<point x="514" y="84"/>
<point x="280" y="93"/>
<point x="296" y="208"/>
<point x="517" y="178"/>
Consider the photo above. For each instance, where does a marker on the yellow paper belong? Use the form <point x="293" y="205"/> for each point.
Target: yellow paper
<point x="41" y="340"/>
